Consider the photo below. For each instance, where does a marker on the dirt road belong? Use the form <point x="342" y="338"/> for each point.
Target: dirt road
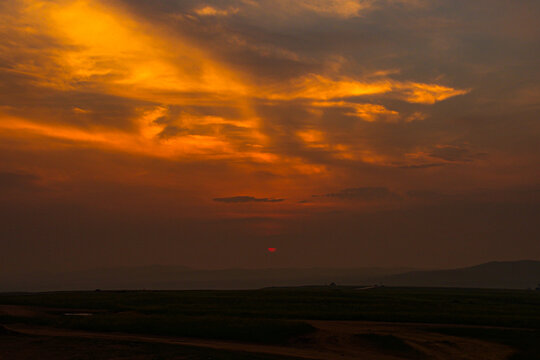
<point x="334" y="340"/>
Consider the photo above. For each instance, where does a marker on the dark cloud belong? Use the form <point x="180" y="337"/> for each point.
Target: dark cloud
<point x="170" y="131"/>
<point x="74" y="108"/>
<point x="421" y="166"/>
<point x="246" y="199"/>
<point x="365" y="194"/>
<point x="455" y="154"/>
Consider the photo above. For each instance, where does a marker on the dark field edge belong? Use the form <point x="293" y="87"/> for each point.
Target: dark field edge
<point x="16" y="346"/>
<point x="389" y="344"/>
<point x="262" y="331"/>
<point x="525" y="342"/>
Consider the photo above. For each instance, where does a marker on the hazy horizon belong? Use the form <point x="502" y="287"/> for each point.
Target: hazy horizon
<point x="398" y="269"/>
<point x="523" y="274"/>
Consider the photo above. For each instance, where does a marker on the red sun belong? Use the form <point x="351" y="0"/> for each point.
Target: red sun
<point x="272" y="249"/>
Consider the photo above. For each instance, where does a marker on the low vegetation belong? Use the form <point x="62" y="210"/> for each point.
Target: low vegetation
<point x="277" y="315"/>
<point x="267" y="331"/>
<point x="510" y="308"/>
<point x="525" y="342"/>
<point x="13" y="346"/>
<point x="389" y="344"/>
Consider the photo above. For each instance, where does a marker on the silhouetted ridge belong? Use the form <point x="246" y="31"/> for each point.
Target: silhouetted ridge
<point x="496" y="274"/>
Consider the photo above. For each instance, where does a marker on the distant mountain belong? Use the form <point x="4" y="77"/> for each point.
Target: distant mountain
<point x="498" y="275"/>
<point x="503" y="275"/>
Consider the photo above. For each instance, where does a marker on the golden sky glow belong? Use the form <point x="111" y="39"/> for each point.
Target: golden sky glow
<point x="102" y="48"/>
<point x="288" y="110"/>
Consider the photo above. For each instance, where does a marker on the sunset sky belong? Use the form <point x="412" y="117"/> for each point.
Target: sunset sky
<point x="342" y="133"/>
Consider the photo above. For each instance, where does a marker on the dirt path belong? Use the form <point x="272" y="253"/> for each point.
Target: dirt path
<point x="331" y="342"/>
<point x="18" y="311"/>
<point x="213" y="344"/>
<point x="433" y="345"/>
<point x="34" y="311"/>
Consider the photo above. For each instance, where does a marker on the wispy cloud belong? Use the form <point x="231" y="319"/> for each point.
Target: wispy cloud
<point x="365" y="194"/>
<point x="247" y="199"/>
<point x="208" y="10"/>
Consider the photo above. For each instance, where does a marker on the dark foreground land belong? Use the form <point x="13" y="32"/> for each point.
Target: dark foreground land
<point x="276" y="323"/>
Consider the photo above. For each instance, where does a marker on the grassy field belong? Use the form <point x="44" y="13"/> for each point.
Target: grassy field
<point x="527" y="342"/>
<point x="511" y="308"/>
<point x="279" y="315"/>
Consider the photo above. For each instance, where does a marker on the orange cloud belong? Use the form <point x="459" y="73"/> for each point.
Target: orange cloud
<point x="145" y="142"/>
<point x="102" y="47"/>
<point x="318" y="87"/>
<point x="311" y="135"/>
<point x="212" y="11"/>
<point x="339" y="8"/>
<point x="367" y="112"/>
<point x="328" y="8"/>
<point x="427" y="93"/>
<point x="97" y="47"/>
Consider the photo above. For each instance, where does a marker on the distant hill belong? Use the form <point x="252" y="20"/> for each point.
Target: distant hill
<point x="498" y="275"/>
<point x="503" y="275"/>
<point x="179" y="277"/>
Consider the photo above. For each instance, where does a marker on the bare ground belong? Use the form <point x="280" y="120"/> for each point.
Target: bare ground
<point x="334" y="340"/>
